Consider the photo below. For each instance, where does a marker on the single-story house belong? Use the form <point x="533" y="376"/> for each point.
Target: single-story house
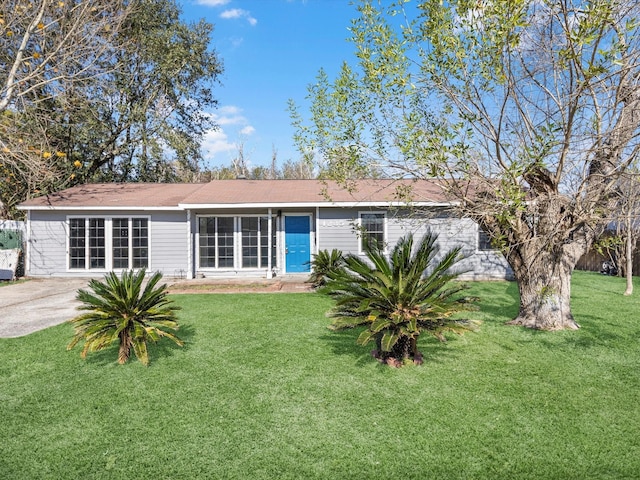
<point x="225" y="228"/>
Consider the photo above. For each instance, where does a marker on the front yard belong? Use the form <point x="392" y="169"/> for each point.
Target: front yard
<point x="264" y="390"/>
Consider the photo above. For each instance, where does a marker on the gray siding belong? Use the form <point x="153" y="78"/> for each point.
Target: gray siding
<point x="47" y="248"/>
<point x="47" y="245"/>
<point x="337" y="230"/>
<point x="169" y="243"/>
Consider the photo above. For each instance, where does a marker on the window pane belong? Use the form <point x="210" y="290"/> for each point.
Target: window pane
<point x="207" y="242"/>
<point x="372" y="228"/>
<point x="484" y="242"/>
<point x="140" y="242"/>
<point x="250" y="242"/>
<point x="225" y="242"/>
<point x="264" y="242"/>
<point x="120" y="240"/>
<point x="77" y="243"/>
<point x="96" y="243"/>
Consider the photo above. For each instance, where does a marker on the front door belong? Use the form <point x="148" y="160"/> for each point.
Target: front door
<point x="297" y="243"/>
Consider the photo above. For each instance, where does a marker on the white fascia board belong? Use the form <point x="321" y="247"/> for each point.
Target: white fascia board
<point x="195" y="206"/>
<point x="102" y="208"/>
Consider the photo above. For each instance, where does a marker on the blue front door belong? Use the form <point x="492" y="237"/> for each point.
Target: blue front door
<point x="297" y="243"/>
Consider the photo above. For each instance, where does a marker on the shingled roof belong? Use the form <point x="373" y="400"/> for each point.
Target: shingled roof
<point x="237" y="193"/>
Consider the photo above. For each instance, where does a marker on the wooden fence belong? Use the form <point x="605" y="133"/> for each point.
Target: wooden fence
<point x="592" y="261"/>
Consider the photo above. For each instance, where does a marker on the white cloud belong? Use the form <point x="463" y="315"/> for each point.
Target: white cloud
<point x="236" y="41"/>
<point x="231" y="123"/>
<point x="212" y="3"/>
<point x="229" y="115"/>
<point x="216" y="142"/>
<point x="235" y="13"/>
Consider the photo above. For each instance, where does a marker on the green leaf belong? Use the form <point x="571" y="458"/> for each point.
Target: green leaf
<point x="389" y="339"/>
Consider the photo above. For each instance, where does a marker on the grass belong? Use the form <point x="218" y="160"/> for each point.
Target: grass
<point x="263" y="390"/>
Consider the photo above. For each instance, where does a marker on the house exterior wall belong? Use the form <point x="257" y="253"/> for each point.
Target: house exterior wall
<point x="338" y="229"/>
<point x="47" y="244"/>
<point x="277" y="215"/>
<point x="174" y="239"/>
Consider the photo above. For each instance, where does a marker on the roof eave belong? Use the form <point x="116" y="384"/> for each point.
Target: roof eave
<point x="101" y="208"/>
<point x="193" y="206"/>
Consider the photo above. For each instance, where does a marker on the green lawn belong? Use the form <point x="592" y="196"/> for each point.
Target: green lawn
<point x="263" y="390"/>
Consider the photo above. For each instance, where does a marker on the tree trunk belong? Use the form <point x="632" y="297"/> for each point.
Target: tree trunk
<point x="628" y="271"/>
<point x="545" y="293"/>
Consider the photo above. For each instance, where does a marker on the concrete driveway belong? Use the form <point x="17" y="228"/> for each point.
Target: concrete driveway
<point x="35" y="304"/>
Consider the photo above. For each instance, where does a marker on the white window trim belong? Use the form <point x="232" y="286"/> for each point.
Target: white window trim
<point x="478" y="249"/>
<point x="385" y="228"/>
<point x="237" y="242"/>
<point x="108" y="242"/>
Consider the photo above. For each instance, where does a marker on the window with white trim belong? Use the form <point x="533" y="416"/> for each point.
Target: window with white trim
<point x="484" y="241"/>
<point x="225" y="242"/>
<point x="100" y="243"/>
<point x="216" y="242"/>
<point x="372" y="229"/>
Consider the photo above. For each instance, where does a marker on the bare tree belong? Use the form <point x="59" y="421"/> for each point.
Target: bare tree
<point x="48" y="44"/>
<point x="528" y="113"/>
<point x="625" y="220"/>
<point x="47" y="47"/>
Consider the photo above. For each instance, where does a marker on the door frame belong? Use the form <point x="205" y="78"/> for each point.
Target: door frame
<point x="284" y="239"/>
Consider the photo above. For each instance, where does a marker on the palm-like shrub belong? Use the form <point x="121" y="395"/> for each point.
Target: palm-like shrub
<point x="399" y="297"/>
<point x="120" y="310"/>
<point x="323" y="263"/>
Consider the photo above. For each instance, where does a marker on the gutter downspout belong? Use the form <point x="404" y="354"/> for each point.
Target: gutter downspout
<point x="317" y="246"/>
<point x="189" y="248"/>
<point x="269" y="246"/>
<point x="27" y="241"/>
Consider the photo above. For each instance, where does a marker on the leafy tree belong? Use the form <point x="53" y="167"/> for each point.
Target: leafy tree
<point x="397" y="298"/>
<point x="120" y="310"/>
<point x="296" y="170"/>
<point x="48" y="47"/>
<point x="526" y="111"/>
<point x="125" y="104"/>
<point x="144" y="121"/>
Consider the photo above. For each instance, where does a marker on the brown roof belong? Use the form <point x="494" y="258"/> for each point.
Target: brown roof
<point x="309" y="191"/>
<point x="116" y="195"/>
<point x="237" y="193"/>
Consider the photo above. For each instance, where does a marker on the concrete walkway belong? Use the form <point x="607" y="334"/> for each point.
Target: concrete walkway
<point x="37" y="303"/>
<point x="29" y="306"/>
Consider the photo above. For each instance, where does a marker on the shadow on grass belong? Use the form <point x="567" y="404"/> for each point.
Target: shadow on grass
<point x="499" y="308"/>
<point x="593" y="333"/>
<point x="162" y="349"/>
<point x="343" y="343"/>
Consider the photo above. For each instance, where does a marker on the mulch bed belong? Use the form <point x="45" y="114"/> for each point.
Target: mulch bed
<point x="222" y="286"/>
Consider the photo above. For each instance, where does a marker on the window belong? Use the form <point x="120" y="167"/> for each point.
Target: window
<point x="77" y="243"/>
<point x="140" y="242"/>
<point x="218" y="237"/>
<point x="89" y="237"/>
<point x="120" y="238"/>
<point x="216" y="242"/>
<point x="97" y="252"/>
<point x="372" y="229"/>
<point x="484" y="242"/>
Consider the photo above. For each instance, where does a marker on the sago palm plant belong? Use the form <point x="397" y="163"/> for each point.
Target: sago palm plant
<point x="398" y="298"/>
<point x="323" y="263"/>
<point x="120" y="310"/>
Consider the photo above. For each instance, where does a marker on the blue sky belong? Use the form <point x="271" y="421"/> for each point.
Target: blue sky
<point x="271" y="49"/>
